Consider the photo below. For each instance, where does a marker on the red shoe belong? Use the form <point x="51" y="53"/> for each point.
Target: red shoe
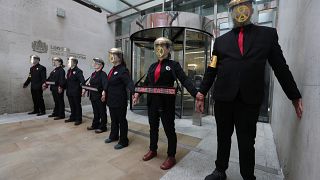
<point x="149" y="155"/>
<point x="168" y="163"/>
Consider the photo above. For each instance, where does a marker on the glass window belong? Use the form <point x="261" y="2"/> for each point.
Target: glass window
<point x="123" y="25"/>
<point x="222" y="5"/>
<point x="204" y="7"/>
<point x="111" y="5"/>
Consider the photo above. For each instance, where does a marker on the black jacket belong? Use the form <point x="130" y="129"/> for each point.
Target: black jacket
<point x="98" y="80"/>
<point x="116" y="87"/>
<point x="244" y="74"/>
<point x="75" y="80"/>
<point x="169" y="69"/>
<point x="58" y="77"/>
<point x="37" y="76"/>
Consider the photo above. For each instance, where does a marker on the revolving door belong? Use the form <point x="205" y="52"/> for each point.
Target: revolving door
<point x="191" y="48"/>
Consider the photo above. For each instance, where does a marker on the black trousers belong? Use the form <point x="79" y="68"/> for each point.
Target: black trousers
<point x="244" y="117"/>
<point x="167" y="115"/>
<point x="58" y="104"/>
<point x="119" y="120"/>
<point x="76" y="109"/>
<point x="99" y="114"/>
<point x="37" y="98"/>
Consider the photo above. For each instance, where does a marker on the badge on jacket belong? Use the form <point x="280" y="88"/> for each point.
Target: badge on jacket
<point x="37" y="69"/>
<point x="168" y="68"/>
<point x="115" y="73"/>
<point x="74" y="72"/>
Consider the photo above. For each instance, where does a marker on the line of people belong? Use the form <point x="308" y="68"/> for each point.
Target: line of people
<point x="237" y="67"/>
<point x="102" y="90"/>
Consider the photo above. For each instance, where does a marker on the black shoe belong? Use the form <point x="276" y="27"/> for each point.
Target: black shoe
<point x="68" y="120"/>
<point x="52" y="115"/>
<point x="41" y="114"/>
<point x="108" y="140"/>
<point x="216" y="175"/>
<point x="77" y="123"/>
<point x="33" y="112"/>
<point x="89" y="128"/>
<point x="98" y="131"/>
<point x="119" y="146"/>
<point x="58" y="118"/>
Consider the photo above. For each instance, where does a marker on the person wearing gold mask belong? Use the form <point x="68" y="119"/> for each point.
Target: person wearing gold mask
<point x="73" y="87"/>
<point x="238" y="69"/>
<point x="37" y="76"/>
<point x="116" y="96"/>
<point x="57" y="81"/>
<point x="97" y="81"/>
<point x="163" y="73"/>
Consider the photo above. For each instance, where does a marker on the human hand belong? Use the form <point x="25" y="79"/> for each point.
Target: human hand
<point x="103" y="98"/>
<point x="44" y="86"/>
<point x="135" y="98"/>
<point x="200" y="96"/>
<point x="60" y="90"/>
<point x="83" y="93"/>
<point x="199" y="106"/>
<point x="297" y="103"/>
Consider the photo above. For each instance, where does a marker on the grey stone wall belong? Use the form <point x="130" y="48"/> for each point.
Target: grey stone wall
<point x="298" y="142"/>
<point x="82" y="31"/>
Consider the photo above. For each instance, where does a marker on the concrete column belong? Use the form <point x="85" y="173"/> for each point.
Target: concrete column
<point x="298" y="141"/>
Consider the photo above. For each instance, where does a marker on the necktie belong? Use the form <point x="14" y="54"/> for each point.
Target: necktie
<point x="110" y="73"/>
<point x="69" y="74"/>
<point x="157" y="72"/>
<point x="240" y="40"/>
<point x="93" y="74"/>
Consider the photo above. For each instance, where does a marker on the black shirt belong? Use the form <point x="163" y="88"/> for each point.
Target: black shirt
<point x="75" y="80"/>
<point x="37" y="76"/>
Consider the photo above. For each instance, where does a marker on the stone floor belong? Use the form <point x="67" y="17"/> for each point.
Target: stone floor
<point x="39" y="148"/>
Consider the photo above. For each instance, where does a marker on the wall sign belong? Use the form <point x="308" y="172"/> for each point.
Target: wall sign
<point x="39" y="46"/>
<point x="42" y="47"/>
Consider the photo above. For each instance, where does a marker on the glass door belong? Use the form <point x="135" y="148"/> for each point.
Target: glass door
<point x="143" y="56"/>
<point x="191" y="48"/>
<point x="197" y="54"/>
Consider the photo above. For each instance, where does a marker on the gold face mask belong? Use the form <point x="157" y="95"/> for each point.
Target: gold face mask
<point x="55" y="63"/>
<point x="32" y="60"/>
<point x="111" y="57"/>
<point x="160" y="52"/>
<point x="96" y="65"/>
<point x="70" y="63"/>
<point x="241" y="14"/>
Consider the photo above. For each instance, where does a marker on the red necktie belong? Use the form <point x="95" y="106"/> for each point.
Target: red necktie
<point x="69" y="74"/>
<point x="93" y="74"/>
<point x="240" y="40"/>
<point x="157" y="72"/>
<point x="110" y="73"/>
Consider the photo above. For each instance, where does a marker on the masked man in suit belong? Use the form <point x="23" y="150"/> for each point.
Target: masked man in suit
<point x="238" y="66"/>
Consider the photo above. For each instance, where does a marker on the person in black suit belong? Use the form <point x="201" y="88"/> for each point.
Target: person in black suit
<point x="73" y="87"/>
<point x="57" y="81"/>
<point x="97" y="81"/>
<point x="163" y="73"/>
<point x="37" y="76"/>
<point x="115" y="93"/>
<point x="238" y="65"/>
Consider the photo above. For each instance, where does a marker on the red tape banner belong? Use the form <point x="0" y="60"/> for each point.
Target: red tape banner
<point x="156" y="90"/>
